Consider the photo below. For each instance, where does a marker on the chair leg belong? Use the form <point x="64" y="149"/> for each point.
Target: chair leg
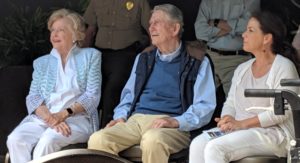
<point x="179" y="161"/>
<point x="182" y="161"/>
<point x="6" y="160"/>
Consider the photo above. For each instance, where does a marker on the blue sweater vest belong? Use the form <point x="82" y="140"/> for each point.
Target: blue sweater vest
<point x="188" y="70"/>
<point x="161" y="94"/>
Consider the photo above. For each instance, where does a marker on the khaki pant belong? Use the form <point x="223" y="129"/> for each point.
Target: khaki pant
<point x="224" y="66"/>
<point x="156" y="144"/>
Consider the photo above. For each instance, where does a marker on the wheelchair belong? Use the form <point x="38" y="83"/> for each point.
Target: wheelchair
<point x="282" y="98"/>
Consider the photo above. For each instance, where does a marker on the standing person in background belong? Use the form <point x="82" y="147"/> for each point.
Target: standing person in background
<point x="119" y="28"/>
<point x="220" y="24"/>
<point x="250" y="124"/>
<point x="189" y="9"/>
<point x="64" y="93"/>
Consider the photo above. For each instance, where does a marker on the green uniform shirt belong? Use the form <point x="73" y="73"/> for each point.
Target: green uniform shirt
<point x="119" y="22"/>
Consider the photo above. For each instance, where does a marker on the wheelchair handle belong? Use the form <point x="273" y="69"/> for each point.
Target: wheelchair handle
<point x="260" y="92"/>
<point x="290" y="82"/>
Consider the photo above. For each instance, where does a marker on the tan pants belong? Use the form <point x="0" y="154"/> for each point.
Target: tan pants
<point x="224" y="66"/>
<point x="156" y="144"/>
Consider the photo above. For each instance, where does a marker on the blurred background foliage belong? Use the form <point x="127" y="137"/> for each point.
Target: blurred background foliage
<point x="24" y="35"/>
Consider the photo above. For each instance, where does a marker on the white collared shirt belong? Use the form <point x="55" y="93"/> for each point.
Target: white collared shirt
<point x="169" y="57"/>
<point x="66" y="87"/>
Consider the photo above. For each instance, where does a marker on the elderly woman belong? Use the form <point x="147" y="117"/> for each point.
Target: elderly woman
<point x="64" y="93"/>
<point x="250" y="125"/>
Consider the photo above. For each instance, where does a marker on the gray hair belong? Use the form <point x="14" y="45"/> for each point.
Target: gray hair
<point x="173" y="13"/>
<point x="76" y="23"/>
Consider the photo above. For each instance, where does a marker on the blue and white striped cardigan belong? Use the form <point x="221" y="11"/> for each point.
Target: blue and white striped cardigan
<point x="89" y="78"/>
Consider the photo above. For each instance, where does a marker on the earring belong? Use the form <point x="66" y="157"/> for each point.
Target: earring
<point x="264" y="49"/>
<point x="74" y="41"/>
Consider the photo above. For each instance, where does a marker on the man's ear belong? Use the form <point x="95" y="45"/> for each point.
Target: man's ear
<point x="176" y="29"/>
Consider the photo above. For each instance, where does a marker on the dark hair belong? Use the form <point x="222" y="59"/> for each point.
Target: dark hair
<point x="270" y="23"/>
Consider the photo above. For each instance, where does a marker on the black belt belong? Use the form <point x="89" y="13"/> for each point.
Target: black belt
<point x="221" y="52"/>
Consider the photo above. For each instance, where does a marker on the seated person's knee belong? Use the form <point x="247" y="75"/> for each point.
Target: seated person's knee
<point x="14" y="138"/>
<point x="98" y="139"/>
<point x="152" y="139"/>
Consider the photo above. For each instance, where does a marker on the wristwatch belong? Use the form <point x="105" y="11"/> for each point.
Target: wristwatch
<point x="216" y="22"/>
<point x="70" y="112"/>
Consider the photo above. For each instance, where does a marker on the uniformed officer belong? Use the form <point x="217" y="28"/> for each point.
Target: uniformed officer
<point x="120" y="29"/>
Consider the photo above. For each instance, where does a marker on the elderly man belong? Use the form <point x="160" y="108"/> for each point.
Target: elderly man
<point x="189" y="9"/>
<point x="169" y="93"/>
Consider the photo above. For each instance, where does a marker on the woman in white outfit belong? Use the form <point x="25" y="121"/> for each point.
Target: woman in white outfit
<point x="250" y="124"/>
<point x="64" y="93"/>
